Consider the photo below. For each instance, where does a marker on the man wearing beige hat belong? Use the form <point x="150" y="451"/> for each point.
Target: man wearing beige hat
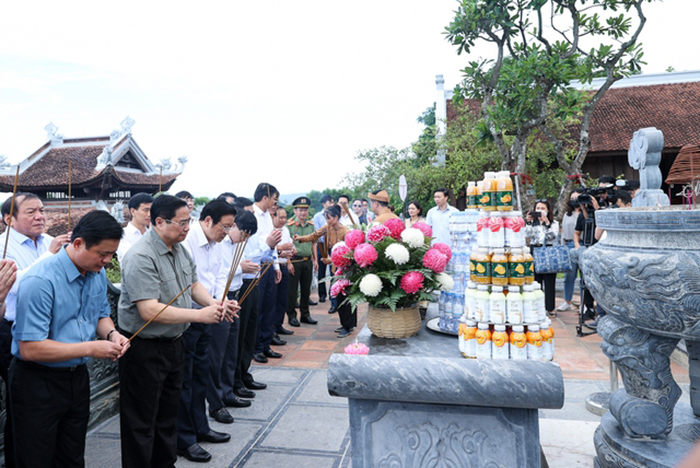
<point x="379" y="203"/>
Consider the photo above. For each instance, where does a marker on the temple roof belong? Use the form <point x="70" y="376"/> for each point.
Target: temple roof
<point x="99" y="165"/>
<point x="671" y="108"/>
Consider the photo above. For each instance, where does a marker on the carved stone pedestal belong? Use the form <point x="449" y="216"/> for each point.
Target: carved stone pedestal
<point x="417" y="402"/>
<point x="616" y="450"/>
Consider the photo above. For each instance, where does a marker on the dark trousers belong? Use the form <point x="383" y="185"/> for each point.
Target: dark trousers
<point x="5" y="360"/>
<point x="301" y="279"/>
<point x="223" y="356"/>
<point x="50" y="410"/>
<point x="348" y="318"/>
<point x="247" y="334"/>
<point x="192" y="415"/>
<point x="321" y="274"/>
<point x="267" y="290"/>
<point x="150" y="383"/>
<point x="281" y="299"/>
<point x="549" y="283"/>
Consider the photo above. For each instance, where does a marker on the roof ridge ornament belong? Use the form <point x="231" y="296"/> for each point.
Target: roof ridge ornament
<point x="52" y="134"/>
<point x="4" y="163"/>
<point x="105" y="159"/>
<point x="126" y="124"/>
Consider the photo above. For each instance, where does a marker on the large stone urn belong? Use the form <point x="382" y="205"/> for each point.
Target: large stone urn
<point x="646" y="274"/>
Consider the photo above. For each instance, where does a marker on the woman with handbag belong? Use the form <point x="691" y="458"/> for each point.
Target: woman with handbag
<point x="541" y="230"/>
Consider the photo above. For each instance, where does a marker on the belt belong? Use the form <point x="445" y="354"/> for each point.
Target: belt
<point x="303" y="259"/>
<point x="36" y="365"/>
<point x="159" y="339"/>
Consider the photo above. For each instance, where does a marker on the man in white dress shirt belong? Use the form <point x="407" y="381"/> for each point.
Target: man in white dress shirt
<point x="203" y="244"/>
<point x="27" y="245"/>
<point x="140" y="210"/>
<point x="439" y="217"/>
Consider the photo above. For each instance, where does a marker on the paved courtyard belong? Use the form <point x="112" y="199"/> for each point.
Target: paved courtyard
<point x="295" y="423"/>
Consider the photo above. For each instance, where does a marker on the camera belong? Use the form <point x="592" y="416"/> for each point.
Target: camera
<point x="587" y="195"/>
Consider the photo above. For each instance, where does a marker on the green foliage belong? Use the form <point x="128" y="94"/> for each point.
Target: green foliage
<point x="114" y="271"/>
<point x="201" y="201"/>
<point x="541" y="47"/>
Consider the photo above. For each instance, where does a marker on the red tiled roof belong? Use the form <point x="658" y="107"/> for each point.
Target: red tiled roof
<point x="672" y="108"/>
<point x="52" y="169"/>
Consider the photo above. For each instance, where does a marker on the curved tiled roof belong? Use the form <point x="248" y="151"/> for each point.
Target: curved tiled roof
<point x="672" y="108"/>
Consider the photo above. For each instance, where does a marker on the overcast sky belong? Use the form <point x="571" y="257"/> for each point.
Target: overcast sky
<point x="281" y="91"/>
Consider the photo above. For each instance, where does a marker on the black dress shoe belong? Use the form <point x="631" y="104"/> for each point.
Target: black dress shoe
<point x="293" y="322"/>
<point x="312" y="302"/>
<point x="277" y="342"/>
<point x="255" y="385"/>
<point x="243" y="392"/>
<point x="309" y="320"/>
<point x="332" y="310"/>
<point x="221" y="415"/>
<point x="322" y="299"/>
<point x="214" y="437"/>
<point x="272" y="354"/>
<point x="284" y="331"/>
<point x="195" y="453"/>
<point x="259" y="357"/>
<point x="236" y="402"/>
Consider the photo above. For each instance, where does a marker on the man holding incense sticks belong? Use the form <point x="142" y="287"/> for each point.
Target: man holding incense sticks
<point x="154" y="271"/>
<point x="203" y="244"/>
<point x="223" y="350"/>
<point x="61" y="306"/>
<point x="26" y="246"/>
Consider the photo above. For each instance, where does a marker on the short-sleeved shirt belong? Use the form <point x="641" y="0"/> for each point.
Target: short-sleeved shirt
<point x="295" y="227"/>
<point x="56" y="302"/>
<point x="439" y="220"/>
<point x="320" y="221"/>
<point x="152" y="271"/>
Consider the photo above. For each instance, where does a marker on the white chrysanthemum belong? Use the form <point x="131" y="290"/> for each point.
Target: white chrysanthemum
<point x="371" y="285"/>
<point x="339" y="243"/>
<point x="446" y="281"/>
<point x="413" y="237"/>
<point x="398" y="253"/>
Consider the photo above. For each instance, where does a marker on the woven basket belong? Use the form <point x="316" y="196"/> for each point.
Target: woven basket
<point x="384" y="323"/>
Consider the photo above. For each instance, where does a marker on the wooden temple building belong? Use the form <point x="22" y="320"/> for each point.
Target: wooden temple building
<point x="104" y="170"/>
<point x="667" y="101"/>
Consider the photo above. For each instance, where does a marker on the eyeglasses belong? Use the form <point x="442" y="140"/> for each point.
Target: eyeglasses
<point x="182" y="224"/>
<point x="356" y="206"/>
<point x="226" y="228"/>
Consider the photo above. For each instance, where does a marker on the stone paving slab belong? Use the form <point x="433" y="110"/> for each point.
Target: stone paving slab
<point x="295" y="423"/>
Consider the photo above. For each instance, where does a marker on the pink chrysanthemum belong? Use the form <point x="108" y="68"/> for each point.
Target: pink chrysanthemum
<point x="339" y="287"/>
<point x="395" y="226"/>
<point x="444" y="248"/>
<point x="435" y="260"/>
<point x="339" y="272"/>
<point x="377" y="233"/>
<point x="412" y="282"/>
<point x="338" y="256"/>
<point x="424" y="228"/>
<point x="354" y="238"/>
<point x="365" y="255"/>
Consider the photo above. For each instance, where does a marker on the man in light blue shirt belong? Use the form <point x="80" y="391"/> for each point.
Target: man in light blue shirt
<point x="61" y="305"/>
<point x="439" y="217"/>
<point x="26" y="246"/>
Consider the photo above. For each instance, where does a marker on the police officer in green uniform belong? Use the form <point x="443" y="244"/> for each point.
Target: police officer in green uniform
<point x="304" y="263"/>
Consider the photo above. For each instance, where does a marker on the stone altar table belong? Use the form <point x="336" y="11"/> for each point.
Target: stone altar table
<point x="417" y="402"/>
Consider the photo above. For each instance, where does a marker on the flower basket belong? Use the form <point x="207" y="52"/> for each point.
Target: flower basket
<point x="392" y="269"/>
<point x="403" y="323"/>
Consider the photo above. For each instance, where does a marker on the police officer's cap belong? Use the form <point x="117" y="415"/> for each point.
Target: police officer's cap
<point x="301" y="202"/>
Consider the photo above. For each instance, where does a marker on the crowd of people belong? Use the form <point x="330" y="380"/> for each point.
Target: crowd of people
<point x="189" y="323"/>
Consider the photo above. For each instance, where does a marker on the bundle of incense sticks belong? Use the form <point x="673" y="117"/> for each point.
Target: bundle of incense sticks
<point x="70" y="180"/>
<point x="237" y="257"/>
<point x="12" y="210"/>
<point x="254" y="283"/>
<point x="161" y="311"/>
